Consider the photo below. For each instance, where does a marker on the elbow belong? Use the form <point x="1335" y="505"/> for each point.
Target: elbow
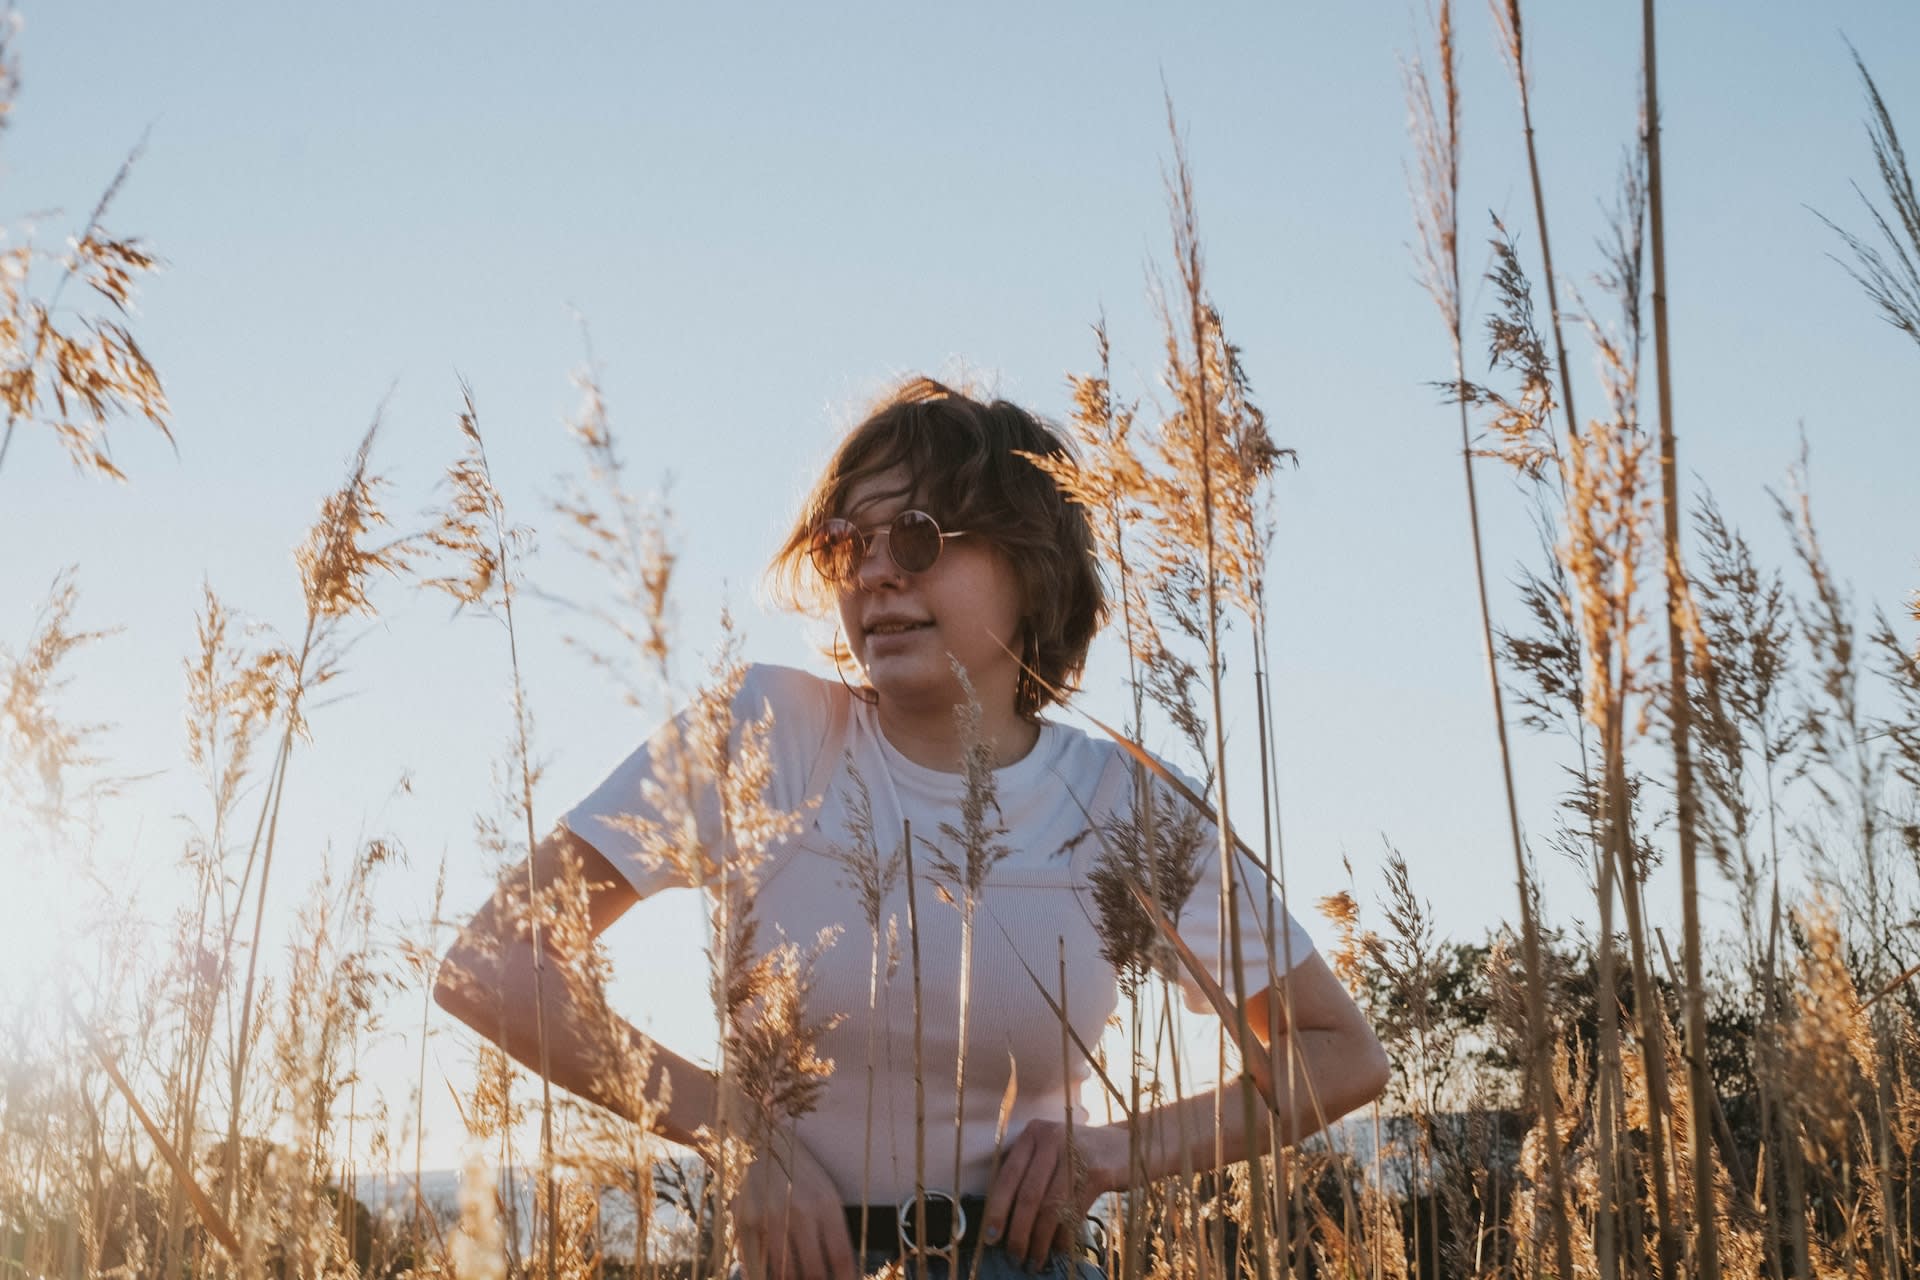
<point x="1357" y="1074"/>
<point x="457" y="989"/>
<point x="445" y="988"/>
<point x="1371" y="1070"/>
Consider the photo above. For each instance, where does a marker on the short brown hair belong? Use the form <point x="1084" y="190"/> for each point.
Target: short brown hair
<point x="965" y="457"/>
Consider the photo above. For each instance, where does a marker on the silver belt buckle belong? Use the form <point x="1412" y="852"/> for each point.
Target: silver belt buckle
<point x="908" y="1210"/>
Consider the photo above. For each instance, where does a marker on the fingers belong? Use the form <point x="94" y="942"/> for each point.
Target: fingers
<point x="1049" y="1227"/>
<point x="1025" y="1199"/>
<point x="1006" y="1183"/>
<point x="809" y="1259"/>
<point x="778" y="1254"/>
<point x="799" y="1246"/>
<point x="1033" y="1215"/>
<point x="838" y="1245"/>
<point x="1030" y="1192"/>
<point x="822" y="1249"/>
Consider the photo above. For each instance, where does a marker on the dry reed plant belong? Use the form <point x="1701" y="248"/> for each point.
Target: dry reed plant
<point x="978" y="842"/>
<point x="1891" y="278"/>
<point x="1589" y="614"/>
<point x="202" y="1111"/>
<point x="1890" y="271"/>
<point x="1215" y="442"/>
<point x="73" y="371"/>
<point x="1731" y="670"/>
<point x="624" y="537"/>
<point x="486" y="550"/>
<point x="1159" y="844"/>
<point x="1839" y="756"/>
<point x="872" y="878"/>
<point x="1186" y="572"/>
<point x="607" y="1147"/>
<point x="188" y="1204"/>
<point x="337" y="563"/>
<point x="770" y="1071"/>
<point x="40" y="751"/>
<point x="626" y="540"/>
<point x="1435" y="125"/>
<point x="1679" y="703"/>
<point x="1511" y="27"/>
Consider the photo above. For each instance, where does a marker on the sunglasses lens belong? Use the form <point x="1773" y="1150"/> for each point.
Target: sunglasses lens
<point x="836" y="550"/>
<point x="914" y="541"/>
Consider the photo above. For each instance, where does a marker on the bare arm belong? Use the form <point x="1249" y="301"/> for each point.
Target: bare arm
<point x="1328" y="1062"/>
<point x="1337" y="1065"/>
<point x="494" y="980"/>
<point x="497" y="981"/>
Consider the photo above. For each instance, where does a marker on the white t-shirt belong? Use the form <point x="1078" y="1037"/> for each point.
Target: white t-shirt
<point x="1055" y="810"/>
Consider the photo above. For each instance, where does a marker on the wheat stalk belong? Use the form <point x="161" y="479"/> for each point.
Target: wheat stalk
<point x="919" y="1056"/>
<point x="475" y="529"/>
<point x="1507" y="19"/>
<point x="336" y="564"/>
<point x="1679" y="705"/>
<point x="1437" y="147"/>
<point x="873" y="880"/>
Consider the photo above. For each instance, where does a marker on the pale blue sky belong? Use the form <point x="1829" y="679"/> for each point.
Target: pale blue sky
<point x="766" y="213"/>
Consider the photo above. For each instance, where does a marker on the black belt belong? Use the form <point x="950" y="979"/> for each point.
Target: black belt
<point x="951" y="1222"/>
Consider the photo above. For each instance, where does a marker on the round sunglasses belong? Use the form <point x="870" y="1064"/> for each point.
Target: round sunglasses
<point x="914" y="538"/>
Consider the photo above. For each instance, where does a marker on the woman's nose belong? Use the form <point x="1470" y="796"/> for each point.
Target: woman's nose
<point x="877" y="568"/>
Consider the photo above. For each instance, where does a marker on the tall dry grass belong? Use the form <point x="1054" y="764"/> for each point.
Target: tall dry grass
<point x="1565" y="1102"/>
<point x="73" y="370"/>
<point x="1437" y="147"/>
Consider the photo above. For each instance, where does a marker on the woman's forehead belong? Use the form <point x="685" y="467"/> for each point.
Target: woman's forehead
<point x="892" y="488"/>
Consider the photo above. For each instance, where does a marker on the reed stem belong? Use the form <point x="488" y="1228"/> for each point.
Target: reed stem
<point x="919" y="1058"/>
<point x="1699" y="1084"/>
<point x="1437" y="136"/>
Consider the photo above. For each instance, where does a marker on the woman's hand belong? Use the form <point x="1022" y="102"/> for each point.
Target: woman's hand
<point x="790" y="1219"/>
<point x="1038" y="1193"/>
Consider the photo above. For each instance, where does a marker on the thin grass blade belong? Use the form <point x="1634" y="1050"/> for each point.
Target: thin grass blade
<point x="210" y="1217"/>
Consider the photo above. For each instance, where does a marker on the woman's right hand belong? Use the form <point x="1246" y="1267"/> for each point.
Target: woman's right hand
<point x="790" y="1220"/>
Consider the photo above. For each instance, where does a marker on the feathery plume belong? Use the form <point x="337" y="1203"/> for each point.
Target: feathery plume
<point x="1160" y="849"/>
<point x="39" y="750"/>
<point x="74" y="377"/>
<point x="626" y="538"/>
<point x="1891" y="278"/>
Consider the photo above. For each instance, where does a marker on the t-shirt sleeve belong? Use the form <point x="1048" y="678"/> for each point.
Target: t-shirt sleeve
<point x="657" y="817"/>
<point x="1271" y="940"/>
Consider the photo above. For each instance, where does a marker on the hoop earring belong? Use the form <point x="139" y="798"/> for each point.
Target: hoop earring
<point x="868" y="694"/>
<point x="1026" y="688"/>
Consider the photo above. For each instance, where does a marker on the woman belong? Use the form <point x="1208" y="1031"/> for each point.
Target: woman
<point x="963" y="581"/>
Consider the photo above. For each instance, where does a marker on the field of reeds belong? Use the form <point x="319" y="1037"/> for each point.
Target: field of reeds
<point x="1595" y="1089"/>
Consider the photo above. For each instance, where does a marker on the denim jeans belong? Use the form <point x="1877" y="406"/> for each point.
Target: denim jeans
<point x="995" y="1264"/>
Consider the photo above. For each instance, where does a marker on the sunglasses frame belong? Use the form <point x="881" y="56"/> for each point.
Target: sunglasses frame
<point x="866" y="536"/>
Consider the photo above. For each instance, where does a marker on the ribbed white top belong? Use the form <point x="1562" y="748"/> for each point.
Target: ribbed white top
<point x="1052" y="809"/>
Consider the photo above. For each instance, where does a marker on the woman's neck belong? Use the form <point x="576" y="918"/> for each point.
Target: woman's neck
<point x="931" y="737"/>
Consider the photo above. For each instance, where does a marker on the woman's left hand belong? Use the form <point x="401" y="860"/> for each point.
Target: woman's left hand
<point x="1038" y="1194"/>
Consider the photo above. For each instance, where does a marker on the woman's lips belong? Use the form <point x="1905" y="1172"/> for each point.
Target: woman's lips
<point x="894" y="634"/>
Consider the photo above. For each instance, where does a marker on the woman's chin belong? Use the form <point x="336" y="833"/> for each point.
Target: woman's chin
<point x="914" y="679"/>
<point x="897" y="679"/>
